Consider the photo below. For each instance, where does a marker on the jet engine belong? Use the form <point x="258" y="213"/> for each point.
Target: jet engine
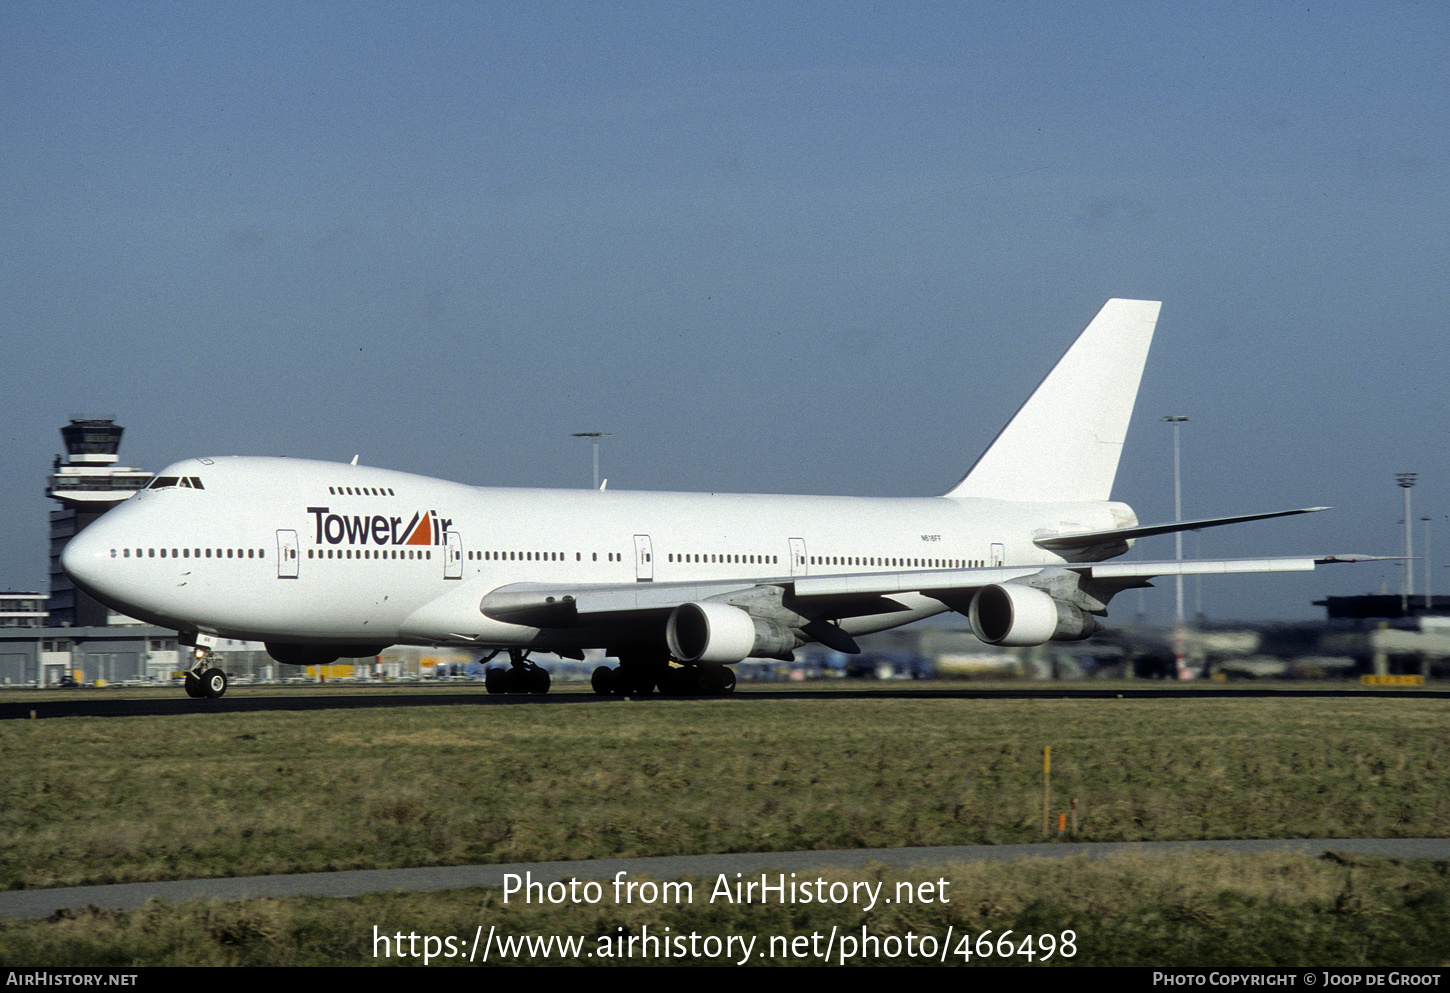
<point x="319" y="654"/>
<point x="1014" y="615"/>
<point x="717" y="632"/>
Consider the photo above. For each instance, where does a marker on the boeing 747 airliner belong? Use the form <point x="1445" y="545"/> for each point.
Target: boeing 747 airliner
<point x="324" y="561"/>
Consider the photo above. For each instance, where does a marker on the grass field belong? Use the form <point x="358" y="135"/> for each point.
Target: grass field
<point x="109" y="800"/>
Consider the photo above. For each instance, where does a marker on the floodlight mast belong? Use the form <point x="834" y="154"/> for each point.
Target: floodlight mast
<point x="594" y="436"/>
<point x="1405" y="480"/>
<point x="1429" y="600"/>
<point x="1179" y="637"/>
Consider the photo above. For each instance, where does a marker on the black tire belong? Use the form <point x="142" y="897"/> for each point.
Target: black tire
<point x="716" y="680"/>
<point x="539" y="680"/>
<point x="603" y="680"/>
<point x="495" y="680"/>
<point x="641" y="682"/>
<point x="624" y="679"/>
<point x="703" y="681"/>
<point x="214" y="684"/>
<point x="193" y="685"/>
<point x="674" y="682"/>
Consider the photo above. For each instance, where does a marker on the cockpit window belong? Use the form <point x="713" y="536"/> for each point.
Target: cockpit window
<point x="189" y="482"/>
<point x="161" y="482"/>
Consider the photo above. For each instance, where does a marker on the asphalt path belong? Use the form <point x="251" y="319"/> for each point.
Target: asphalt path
<point x="129" y="896"/>
<point x="98" y="703"/>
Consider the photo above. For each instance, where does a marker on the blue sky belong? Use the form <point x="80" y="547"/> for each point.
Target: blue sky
<point x="772" y="247"/>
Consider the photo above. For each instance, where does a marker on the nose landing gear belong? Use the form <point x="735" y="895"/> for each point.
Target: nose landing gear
<point x="204" y="680"/>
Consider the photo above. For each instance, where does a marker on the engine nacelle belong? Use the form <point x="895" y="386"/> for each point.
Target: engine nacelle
<point x="717" y="632"/>
<point x="1013" y="615"/>
<point x="319" y="654"/>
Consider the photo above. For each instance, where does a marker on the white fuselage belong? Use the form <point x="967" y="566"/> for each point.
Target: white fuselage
<point x="312" y="552"/>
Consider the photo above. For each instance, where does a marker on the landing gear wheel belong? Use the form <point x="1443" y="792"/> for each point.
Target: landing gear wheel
<point x="522" y="676"/>
<point x="603" y="681"/>
<point x="193" y="685"/>
<point x="633" y="680"/>
<point x="675" y="681"/>
<point x="707" y="679"/>
<point x="213" y="683"/>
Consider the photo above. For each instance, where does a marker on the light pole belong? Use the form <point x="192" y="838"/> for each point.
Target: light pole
<point x="594" y="436"/>
<point x="1177" y="420"/>
<point x="1405" y="480"/>
<point x="1429" y="601"/>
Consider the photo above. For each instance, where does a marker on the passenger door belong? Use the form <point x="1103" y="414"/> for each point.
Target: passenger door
<point x="286" y="554"/>
<point x="644" y="566"/>
<point x="798" y="561"/>
<point x="452" y="555"/>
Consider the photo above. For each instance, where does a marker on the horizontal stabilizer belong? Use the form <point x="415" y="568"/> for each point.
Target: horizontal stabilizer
<point x="1085" y="539"/>
<point x="1198" y="567"/>
<point x="1350" y="557"/>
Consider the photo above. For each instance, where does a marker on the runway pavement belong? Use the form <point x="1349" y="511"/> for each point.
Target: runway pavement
<point x="104" y="704"/>
<point x="128" y="896"/>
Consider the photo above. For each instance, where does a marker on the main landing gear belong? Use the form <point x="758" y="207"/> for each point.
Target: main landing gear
<point x="522" y="676"/>
<point x="205" y="680"/>
<point x="638" y="676"/>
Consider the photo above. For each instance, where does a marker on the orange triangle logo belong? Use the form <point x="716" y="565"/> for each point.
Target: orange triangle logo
<point x="423" y="533"/>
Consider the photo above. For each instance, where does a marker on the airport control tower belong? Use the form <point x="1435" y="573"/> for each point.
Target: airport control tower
<point x="86" y="484"/>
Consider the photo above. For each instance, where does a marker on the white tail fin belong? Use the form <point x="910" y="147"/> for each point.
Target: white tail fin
<point x="1064" y="442"/>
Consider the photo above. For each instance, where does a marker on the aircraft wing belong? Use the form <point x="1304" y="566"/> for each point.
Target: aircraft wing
<point x="539" y="604"/>
<point x="839" y="595"/>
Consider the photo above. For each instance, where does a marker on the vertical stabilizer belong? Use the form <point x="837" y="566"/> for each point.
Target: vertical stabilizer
<point x="1064" y="442"/>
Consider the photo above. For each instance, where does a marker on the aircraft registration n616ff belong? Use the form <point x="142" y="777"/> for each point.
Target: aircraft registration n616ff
<point x="322" y="561"/>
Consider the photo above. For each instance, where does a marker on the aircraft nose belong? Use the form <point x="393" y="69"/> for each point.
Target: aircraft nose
<point x="86" y="559"/>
